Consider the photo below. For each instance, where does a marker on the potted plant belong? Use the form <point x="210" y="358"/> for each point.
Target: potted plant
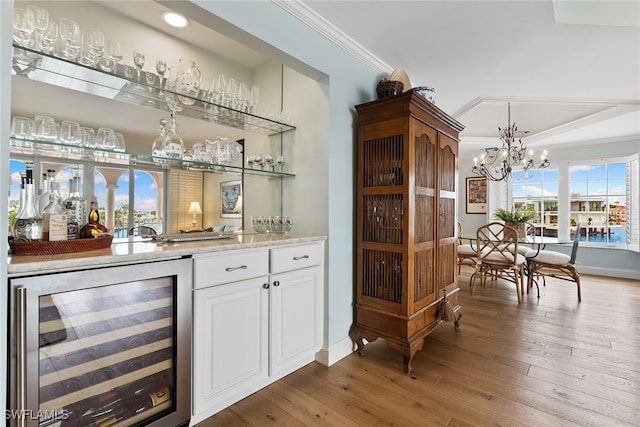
<point x="514" y="218"/>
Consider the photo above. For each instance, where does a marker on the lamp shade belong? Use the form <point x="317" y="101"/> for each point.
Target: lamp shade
<point x="194" y="208"/>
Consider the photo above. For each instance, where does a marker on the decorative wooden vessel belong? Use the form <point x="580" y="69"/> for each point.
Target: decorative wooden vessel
<point x="406" y="279"/>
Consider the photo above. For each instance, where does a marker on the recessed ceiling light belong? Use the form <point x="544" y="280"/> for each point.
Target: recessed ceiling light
<point x="175" y="19"/>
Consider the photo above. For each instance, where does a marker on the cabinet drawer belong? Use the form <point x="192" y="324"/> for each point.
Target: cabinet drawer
<point x="295" y="257"/>
<point x="229" y="267"/>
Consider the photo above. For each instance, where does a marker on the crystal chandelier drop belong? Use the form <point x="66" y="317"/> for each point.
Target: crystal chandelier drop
<point x="498" y="163"/>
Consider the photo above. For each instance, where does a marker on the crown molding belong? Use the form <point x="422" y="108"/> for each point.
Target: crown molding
<point x="305" y="14"/>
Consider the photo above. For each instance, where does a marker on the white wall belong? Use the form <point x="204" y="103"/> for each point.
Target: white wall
<point x="600" y="261"/>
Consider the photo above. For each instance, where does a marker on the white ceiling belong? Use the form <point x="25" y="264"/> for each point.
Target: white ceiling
<point x="571" y="69"/>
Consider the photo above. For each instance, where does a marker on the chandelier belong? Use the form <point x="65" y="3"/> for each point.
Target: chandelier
<point x="498" y="163"/>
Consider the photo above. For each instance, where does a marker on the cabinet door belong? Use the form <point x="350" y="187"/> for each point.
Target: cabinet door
<point x="230" y="342"/>
<point x="447" y="212"/>
<point x="296" y="319"/>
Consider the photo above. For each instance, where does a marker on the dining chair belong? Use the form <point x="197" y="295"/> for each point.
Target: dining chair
<point x="555" y="264"/>
<point x="466" y="253"/>
<point x="497" y="256"/>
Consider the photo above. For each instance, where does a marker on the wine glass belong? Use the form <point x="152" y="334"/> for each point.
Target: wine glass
<point x="268" y="159"/>
<point x="70" y="33"/>
<point x="95" y="44"/>
<point x="161" y="68"/>
<point x="40" y="23"/>
<point x="49" y="37"/>
<point x="138" y="61"/>
<point x="260" y="161"/>
<point x="280" y="162"/>
<point x="114" y="50"/>
<point x="22" y="26"/>
<point x="251" y="160"/>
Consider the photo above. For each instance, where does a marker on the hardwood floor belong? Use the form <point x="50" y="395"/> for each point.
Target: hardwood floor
<point x="546" y="362"/>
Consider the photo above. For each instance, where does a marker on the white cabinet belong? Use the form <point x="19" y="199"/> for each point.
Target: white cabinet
<point x="230" y="343"/>
<point x="295" y="306"/>
<point x="261" y="324"/>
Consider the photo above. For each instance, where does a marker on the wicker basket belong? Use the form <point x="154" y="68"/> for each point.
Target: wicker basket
<point x="41" y="247"/>
<point x="388" y="88"/>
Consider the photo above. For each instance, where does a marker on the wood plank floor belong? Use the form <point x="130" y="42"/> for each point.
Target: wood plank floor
<point x="547" y="362"/>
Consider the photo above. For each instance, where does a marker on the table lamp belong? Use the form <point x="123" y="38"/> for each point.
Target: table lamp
<point x="194" y="209"/>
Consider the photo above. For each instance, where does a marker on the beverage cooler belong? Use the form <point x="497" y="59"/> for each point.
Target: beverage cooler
<point x="102" y="347"/>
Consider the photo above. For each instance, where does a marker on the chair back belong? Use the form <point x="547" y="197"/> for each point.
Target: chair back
<point x="459" y="231"/>
<point x="574" y="248"/>
<point x="142" y="230"/>
<point x="497" y="244"/>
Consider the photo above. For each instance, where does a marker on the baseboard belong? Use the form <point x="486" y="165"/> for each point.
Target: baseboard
<point x="608" y="272"/>
<point x="335" y="352"/>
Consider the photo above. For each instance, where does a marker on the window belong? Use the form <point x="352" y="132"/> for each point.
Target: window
<point x="601" y="196"/>
<point x="538" y="195"/>
<point x="112" y="186"/>
<point x="599" y="201"/>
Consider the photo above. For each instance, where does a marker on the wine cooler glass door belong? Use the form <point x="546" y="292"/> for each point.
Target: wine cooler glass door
<point x="106" y="346"/>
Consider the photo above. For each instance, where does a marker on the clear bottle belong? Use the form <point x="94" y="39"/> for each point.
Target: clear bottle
<point x="28" y="223"/>
<point x="157" y="152"/>
<point x="45" y="198"/>
<point x="54" y="218"/>
<point x="93" y="227"/>
<point x="76" y="207"/>
<point x="172" y="143"/>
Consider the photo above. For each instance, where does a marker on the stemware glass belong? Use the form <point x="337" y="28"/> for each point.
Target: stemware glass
<point x="95" y="44"/>
<point x="23" y="26"/>
<point x="138" y="61"/>
<point x="40" y="23"/>
<point x="280" y="162"/>
<point x="105" y="139"/>
<point x="260" y="161"/>
<point x="251" y="160"/>
<point x="70" y="33"/>
<point x="114" y="50"/>
<point x="287" y="224"/>
<point x="69" y="132"/>
<point x="268" y="159"/>
<point x="49" y="37"/>
<point x="161" y="69"/>
<point x="254" y="98"/>
<point x="22" y="128"/>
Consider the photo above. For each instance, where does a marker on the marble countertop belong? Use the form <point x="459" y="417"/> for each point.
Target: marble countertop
<point x="135" y="250"/>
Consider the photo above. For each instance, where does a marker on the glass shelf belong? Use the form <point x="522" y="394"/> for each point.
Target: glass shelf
<point x="62" y="72"/>
<point x="57" y="150"/>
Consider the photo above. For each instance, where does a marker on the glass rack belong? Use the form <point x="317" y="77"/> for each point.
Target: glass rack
<point x="62" y="72"/>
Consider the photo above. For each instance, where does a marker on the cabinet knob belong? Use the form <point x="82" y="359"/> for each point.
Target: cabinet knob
<point x="276" y="283"/>
<point x="265" y="285"/>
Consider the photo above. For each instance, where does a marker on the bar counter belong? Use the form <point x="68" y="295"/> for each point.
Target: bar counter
<point x="134" y="250"/>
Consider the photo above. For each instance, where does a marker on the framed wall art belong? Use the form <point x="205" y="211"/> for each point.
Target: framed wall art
<point x="231" y="199"/>
<point x="476" y="195"/>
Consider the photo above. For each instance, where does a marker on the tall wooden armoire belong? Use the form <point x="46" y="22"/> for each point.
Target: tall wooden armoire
<point x="406" y="279"/>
